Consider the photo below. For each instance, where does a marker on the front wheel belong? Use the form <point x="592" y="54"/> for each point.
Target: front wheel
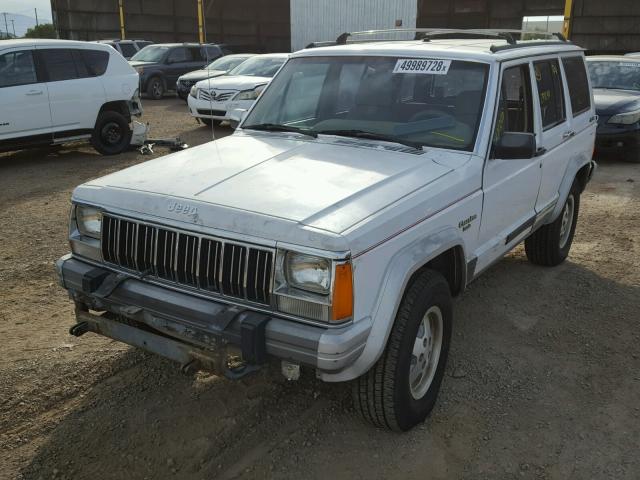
<point x="401" y="388"/>
<point x="210" y="122"/>
<point x="155" y="88"/>
<point x="550" y="244"/>
<point x="112" y="134"/>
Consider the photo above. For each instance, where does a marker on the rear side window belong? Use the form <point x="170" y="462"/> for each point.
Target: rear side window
<point x="550" y="92"/>
<point x="179" y="55"/>
<point x="17" y="68"/>
<point x="59" y="64"/>
<point x="128" y="49"/>
<point x="96" y="61"/>
<point x="68" y="64"/>
<point x="576" y="73"/>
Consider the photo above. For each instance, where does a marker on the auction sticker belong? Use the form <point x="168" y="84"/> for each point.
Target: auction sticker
<point x="428" y="66"/>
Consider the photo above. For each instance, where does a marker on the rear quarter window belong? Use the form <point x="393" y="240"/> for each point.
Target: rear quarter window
<point x="576" y="73"/>
<point x="96" y="61"/>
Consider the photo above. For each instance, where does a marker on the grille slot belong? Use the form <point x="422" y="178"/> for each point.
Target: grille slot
<point x="208" y="264"/>
<point x="212" y="96"/>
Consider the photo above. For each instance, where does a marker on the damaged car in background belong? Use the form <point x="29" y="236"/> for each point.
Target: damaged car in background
<point x="58" y="91"/>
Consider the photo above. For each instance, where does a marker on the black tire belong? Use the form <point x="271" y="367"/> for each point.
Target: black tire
<point x="112" y="134"/>
<point x="155" y="88"/>
<point x="210" y="122"/>
<point x="550" y="244"/>
<point x="383" y="395"/>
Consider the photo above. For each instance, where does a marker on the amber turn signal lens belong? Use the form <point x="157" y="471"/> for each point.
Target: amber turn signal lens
<point x="342" y="307"/>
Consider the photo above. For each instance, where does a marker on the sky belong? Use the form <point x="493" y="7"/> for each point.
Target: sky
<point x="25" y="7"/>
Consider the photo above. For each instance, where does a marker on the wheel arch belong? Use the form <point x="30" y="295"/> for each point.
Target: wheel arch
<point x="579" y="168"/>
<point x="443" y="252"/>
<point x="118" y="106"/>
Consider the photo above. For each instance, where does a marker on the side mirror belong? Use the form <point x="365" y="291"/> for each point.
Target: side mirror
<point x="236" y="116"/>
<point x="515" y="146"/>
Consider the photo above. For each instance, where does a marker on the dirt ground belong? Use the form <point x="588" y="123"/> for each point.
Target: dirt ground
<point x="543" y="379"/>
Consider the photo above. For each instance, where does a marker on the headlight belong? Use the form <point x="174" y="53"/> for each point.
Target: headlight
<point x="194" y="92"/>
<point x="628" y="118"/>
<point x="308" y="272"/>
<point x="313" y="287"/>
<point x="89" y="221"/>
<point x="250" y="94"/>
<point x="140" y="70"/>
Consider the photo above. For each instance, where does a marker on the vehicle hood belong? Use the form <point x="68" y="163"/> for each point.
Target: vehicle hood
<point x="234" y="82"/>
<point x="271" y="186"/>
<point x="609" y="102"/>
<point x="201" y="75"/>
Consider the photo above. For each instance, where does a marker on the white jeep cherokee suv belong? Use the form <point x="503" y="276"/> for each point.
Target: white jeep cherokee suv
<point x="57" y="91"/>
<point x="369" y="184"/>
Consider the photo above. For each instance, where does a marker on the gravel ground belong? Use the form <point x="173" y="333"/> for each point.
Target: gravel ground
<point x="543" y="378"/>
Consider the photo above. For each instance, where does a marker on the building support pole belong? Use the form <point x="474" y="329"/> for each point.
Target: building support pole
<point x="568" y="11"/>
<point x="121" y="8"/>
<point x="200" y="23"/>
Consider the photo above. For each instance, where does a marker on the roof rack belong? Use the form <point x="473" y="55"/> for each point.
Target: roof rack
<point x="426" y="34"/>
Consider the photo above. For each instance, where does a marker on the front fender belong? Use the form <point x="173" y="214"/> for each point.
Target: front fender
<point x="400" y="268"/>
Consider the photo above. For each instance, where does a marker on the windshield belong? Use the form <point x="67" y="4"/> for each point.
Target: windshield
<point x="617" y="74"/>
<point x="425" y="102"/>
<point x="152" y="53"/>
<point x="259" y="67"/>
<point x="226" y="63"/>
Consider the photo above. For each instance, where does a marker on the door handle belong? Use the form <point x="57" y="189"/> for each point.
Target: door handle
<point x="568" y="134"/>
<point x="33" y="92"/>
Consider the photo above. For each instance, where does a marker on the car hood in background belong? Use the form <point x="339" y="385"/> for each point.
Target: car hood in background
<point x="137" y="63"/>
<point x="276" y="187"/>
<point x="234" y="82"/>
<point x="198" y="75"/>
<point x="610" y="102"/>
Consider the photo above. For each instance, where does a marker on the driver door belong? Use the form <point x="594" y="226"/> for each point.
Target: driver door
<point x="510" y="185"/>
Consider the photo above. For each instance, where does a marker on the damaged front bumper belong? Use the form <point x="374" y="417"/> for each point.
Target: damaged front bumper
<point x="199" y="331"/>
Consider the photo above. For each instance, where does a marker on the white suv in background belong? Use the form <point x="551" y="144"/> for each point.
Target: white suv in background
<point x="56" y="91"/>
<point x="213" y="100"/>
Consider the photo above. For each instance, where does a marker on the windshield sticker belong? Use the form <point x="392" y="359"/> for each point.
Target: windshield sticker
<point x="426" y="66"/>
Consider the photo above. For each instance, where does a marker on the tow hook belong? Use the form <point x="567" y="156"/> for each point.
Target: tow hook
<point x="79" y="329"/>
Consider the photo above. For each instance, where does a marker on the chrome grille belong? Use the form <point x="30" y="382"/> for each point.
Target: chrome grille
<point x="212" y="265"/>
<point x="212" y="96"/>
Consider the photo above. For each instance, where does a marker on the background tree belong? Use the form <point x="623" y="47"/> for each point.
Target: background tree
<point x="44" y="30"/>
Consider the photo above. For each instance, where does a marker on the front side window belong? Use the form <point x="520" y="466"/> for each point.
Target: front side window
<point x="515" y="107"/>
<point x="436" y="103"/>
<point x="550" y="92"/>
<point x="17" y="68"/>
<point x="179" y="55"/>
<point x="578" y="84"/>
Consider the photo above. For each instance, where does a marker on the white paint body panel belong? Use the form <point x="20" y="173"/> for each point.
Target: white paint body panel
<point x="390" y="211"/>
<point x="64" y="105"/>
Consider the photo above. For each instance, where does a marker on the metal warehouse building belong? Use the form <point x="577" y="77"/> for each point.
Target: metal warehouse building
<point x="283" y="25"/>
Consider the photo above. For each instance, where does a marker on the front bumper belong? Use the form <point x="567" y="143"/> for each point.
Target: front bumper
<point x="620" y="141"/>
<point x="186" y="328"/>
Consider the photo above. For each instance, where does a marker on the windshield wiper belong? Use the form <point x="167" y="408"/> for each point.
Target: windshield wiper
<point x="275" y="127"/>
<point x="372" y="136"/>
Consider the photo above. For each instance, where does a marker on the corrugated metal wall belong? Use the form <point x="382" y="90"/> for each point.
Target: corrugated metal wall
<point x="317" y="20"/>
<point x="607" y="26"/>
<point x="260" y="23"/>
